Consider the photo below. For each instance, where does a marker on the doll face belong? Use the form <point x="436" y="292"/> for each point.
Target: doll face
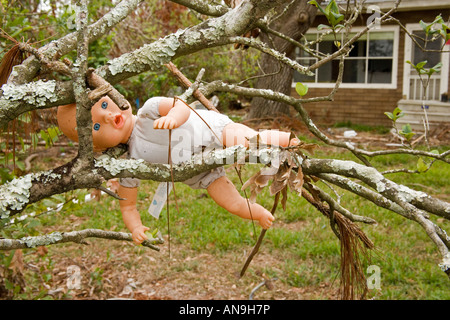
<point x="111" y="125"/>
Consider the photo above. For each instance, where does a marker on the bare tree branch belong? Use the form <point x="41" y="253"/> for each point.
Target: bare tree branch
<point x="79" y="72"/>
<point x="211" y="33"/>
<point x="26" y="72"/>
<point x="204" y="7"/>
<point x="220" y="86"/>
<point x="397" y="193"/>
<point x="73" y="236"/>
<point x="21" y="95"/>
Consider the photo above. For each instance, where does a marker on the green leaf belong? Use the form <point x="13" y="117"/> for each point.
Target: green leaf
<point x="47" y="277"/>
<point x="332" y="7"/>
<point x="407" y="128"/>
<point x="22" y="143"/>
<point x="20" y="165"/>
<point x="44" y="135"/>
<point x="407" y="131"/>
<point x="301" y="89"/>
<point x="408" y="136"/>
<point x="438" y="19"/>
<point x="420" y="65"/>
<point x="152" y="234"/>
<point x="314" y="2"/>
<point x="421" y="165"/>
<point x="323" y="26"/>
<point x="424" y="25"/>
<point x="8" y="259"/>
<point x="436" y="68"/>
<point x="336" y="18"/>
<point x="8" y="284"/>
<point x="34" y="140"/>
<point x="390" y="115"/>
<point x="25" y="117"/>
<point x="434" y="151"/>
<point x="443" y="32"/>
<point x="53" y="132"/>
<point x="427" y="27"/>
<point x="397" y="113"/>
<point x="17" y="289"/>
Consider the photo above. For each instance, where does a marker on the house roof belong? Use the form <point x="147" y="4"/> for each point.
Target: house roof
<point x="405" y="5"/>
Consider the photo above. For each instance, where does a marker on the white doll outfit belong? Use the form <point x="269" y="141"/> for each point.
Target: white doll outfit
<point x="192" y="137"/>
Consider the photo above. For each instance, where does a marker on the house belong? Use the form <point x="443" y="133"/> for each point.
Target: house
<point x="377" y="78"/>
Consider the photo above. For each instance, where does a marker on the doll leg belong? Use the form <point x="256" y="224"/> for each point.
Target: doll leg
<point x="237" y="133"/>
<point x="225" y="194"/>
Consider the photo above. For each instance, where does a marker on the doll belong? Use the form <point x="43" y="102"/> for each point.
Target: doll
<point x="147" y="136"/>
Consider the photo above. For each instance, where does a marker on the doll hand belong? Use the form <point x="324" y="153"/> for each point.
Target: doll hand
<point x="294" y="142"/>
<point x="165" y="122"/>
<point x="266" y="220"/>
<point x="139" y="235"/>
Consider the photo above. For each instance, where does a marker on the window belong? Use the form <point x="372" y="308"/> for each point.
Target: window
<point x="438" y="82"/>
<point x="371" y="63"/>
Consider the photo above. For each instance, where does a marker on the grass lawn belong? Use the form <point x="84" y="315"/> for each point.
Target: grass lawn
<point x="208" y="246"/>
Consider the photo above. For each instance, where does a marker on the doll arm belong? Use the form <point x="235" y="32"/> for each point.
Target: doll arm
<point x="172" y="114"/>
<point x="130" y="214"/>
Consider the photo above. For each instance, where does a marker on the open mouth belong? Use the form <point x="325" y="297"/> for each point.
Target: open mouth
<point x="119" y="121"/>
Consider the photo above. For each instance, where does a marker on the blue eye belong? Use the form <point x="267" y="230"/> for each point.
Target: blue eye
<point x="96" y="126"/>
<point x="104" y="104"/>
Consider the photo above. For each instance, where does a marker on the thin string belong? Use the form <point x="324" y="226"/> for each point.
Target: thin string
<point x="171" y="169"/>
<point x="248" y="201"/>
<point x="237" y="172"/>
<point x="260" y="239"/>
<point x="177" y="98"/>
<point x="169" y="160"/>
<point x="167" y="190"/>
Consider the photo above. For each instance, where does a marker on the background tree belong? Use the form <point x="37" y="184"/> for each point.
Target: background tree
<point x="292" y="21"/>
<point x="58" y="72"/>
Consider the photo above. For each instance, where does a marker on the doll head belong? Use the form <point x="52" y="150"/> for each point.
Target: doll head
<point x="111" y="125"/>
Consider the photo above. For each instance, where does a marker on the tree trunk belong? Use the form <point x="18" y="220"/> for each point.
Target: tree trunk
<point x="293" y="23"/>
